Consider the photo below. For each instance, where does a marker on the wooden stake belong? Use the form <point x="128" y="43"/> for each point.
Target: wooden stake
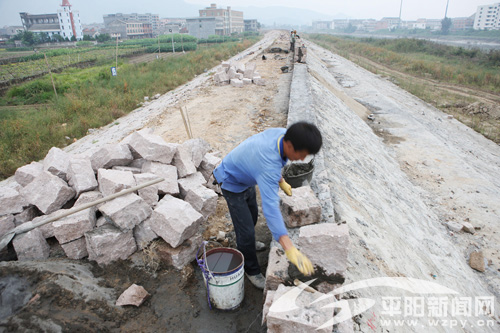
<point x="51" y="78"/>
<point x="185" y="123"/>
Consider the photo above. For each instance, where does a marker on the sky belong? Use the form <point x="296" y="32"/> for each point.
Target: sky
<point x="92" y="10"/>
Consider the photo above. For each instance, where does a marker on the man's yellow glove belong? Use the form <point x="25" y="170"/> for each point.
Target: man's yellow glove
<point x="286" y="187"/>
<point x="301" y="261"/>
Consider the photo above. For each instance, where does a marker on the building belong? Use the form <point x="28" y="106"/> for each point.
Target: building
<point x="9" y="31"/>
<point x="65" y="23"/>
<point x="202" y="27"/>
<point x="487" y="17"/>
<point x="129" y="29"/>
<point x="322" y="25"/>
<point x="251" y="25"/>
<point x="232" y="20"/>
<point x="152" y="19"/>
<point x="462" y="23"/>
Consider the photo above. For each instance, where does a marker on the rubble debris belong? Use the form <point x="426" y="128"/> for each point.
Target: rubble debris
<point x="134" y="295"/>
<point x="476" y="261"/>
<point x="239" y="75"/>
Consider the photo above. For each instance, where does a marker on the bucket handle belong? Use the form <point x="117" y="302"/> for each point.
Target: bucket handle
<point x="202" y="263"/>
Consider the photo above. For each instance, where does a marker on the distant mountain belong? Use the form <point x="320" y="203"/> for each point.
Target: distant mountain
<point x="284" y="15"/>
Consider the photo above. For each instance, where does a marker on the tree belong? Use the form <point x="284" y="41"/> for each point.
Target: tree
<point x="29" y="38"/>
<point x="44" y="37"/>
<point x="103" y="38"/>
<point x="87" y="37"/>
<point x="445" y="25"/>
<point x="57" y="38"/>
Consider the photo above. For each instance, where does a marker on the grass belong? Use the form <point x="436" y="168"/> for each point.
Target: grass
<point x="89" y="98"/>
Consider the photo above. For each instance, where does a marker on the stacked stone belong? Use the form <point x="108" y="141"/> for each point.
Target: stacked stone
<point x="172" y="209"/>
<point x="239" y="75"/>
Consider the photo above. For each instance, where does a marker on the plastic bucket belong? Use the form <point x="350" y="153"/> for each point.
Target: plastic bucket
<point x="224" y="268"/>
<point x="298" y="174"/>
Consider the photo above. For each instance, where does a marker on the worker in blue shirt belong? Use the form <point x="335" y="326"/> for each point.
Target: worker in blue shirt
<point x="258" y="161"/>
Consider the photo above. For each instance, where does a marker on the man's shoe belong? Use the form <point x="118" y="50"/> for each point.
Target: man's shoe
<point x="259" y="246"/>
<point x="257" y="280"/>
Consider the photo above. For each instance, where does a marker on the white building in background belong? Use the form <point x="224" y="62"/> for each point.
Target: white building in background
<point x="487" y="17"/>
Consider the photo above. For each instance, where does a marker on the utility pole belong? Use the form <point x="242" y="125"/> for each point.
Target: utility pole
<point x="400" y="8"/>
<point x="173" y="47"/>
<point x="159" y="48"/>
<point x="446" y="11"/>
<point x="116" y="60"/>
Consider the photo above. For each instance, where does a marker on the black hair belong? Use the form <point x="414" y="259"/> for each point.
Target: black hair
<point x="304" y="135"/>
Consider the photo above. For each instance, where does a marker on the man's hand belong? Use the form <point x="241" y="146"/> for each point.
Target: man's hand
<point x="285" y="187"/>
<point x="301" y="261"/>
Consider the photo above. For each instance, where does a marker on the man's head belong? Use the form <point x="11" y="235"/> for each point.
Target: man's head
<point x="301" y="139"/>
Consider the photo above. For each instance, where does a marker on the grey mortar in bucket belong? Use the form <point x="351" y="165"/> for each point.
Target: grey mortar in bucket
<point x="298" y="174"/>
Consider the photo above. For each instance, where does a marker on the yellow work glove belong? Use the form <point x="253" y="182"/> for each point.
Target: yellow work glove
<point x="286" y="188"/>
<point x="301" y="261"/>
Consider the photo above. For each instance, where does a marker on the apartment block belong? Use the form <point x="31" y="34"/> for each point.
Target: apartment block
<point x="149" y="19"/>
<point x="232" y="20"/>
<point x="202" y="27"/>
<point x="487" y="17"/>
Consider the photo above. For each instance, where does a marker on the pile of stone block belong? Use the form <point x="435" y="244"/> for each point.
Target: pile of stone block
<point x="172" y="209"/>
<point x="325" y="244"/>
<point x="239" y="75"/>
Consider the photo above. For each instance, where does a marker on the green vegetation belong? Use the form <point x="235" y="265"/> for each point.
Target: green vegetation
<point x="90" y="98"/>
<point x="424" y="59"/>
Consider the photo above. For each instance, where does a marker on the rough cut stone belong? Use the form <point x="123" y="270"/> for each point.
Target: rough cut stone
<point x="246" y="81"/>
<point x="302" y="208"/>
<point x="259" y="81"/>
<point x="267" y="305"/>
<point x="327" y="238"/>
<point x="11" y="201"/>
<point x="134" y="170"/>
<point x="168" y="172"/>
<point x="101" y="221"/>
<point x="28" y="214"/>
<point x="57" y="162"/>
<point x="468" y="227"/>
<point x="306" y="316"/>
<point x="47" y="229"/>
<point x="190" y="183"/>
<point x="149" y="193"/>
<point x="48" y="192"/>
<point x="126" y="211"/>
<point x="221" y="78"/>
<point x="134" y="295"/>
<point x="144" y="144"/>
<point x="236" y="83"/>
<point x="81" y="176"/>
<point x="6" y="224"/>
<point x="111" y="155"/>
<point x="181" y="255"/>
<point x="231" y="72"/>
<point x="226" y="65"/>
<point x="89" y="197"/>
<point x="183" y="161"/>
<point x="240" y="68"/>
<point x="175" y="220"/>
<point x="76" y="249"/>
<point x="203" y="200"/>
<point x="198" y="148"/>
<point x="239" y="76"/>
<point x="249" y="70"/>
<point x="107" y="244"/>
<point x="144" y="234"/>
<point x="454" y="226"/>
<point x="25" y="174"/>
<point x="476" y="261"/>
<point x="113" y="181"/>
<point x="31" y="246"/>
<point x="137" y="163"/>
<point x="74" y="226"/>
<point x="277" y="269"/>
<point x="208" y="164"/>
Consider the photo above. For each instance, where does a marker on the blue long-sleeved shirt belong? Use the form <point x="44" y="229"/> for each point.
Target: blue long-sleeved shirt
<point x="257" y="161"/>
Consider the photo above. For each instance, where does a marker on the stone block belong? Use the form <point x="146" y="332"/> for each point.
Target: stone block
<point x="28" y="214"/>
<point x="107" y="244"/>
<point x="31" y="246"/>
<point x="468" y="227"/>
<point x="89" y="197"/>
<point x="190" y="183"/>
<point x="113" y="181"/>
<point x="237" y="83"/>
<point x="250" y="70"/>
<point x="277" y="268"/>
<point x="76" y="249"/>
<point x="298" y="316"/>
<point x="302" y="208"/>
<point x="144" y="144"/>
<point x="267" y="304"/>
<point x="111" y="155"/>
<point x="247" y="82"/>
<point x="231" y="72"/>
<point x="101" y="221"/>
<point x="6" y="224"/>
<point x="137" y="163"/>
<point x="203" y="200"/>
<point x="259" y="81"/>
<point x="168" y="172"/>
<point x="57" y="162"/>
<point x="183" y="161"/>
<point x="221" y="78"/>
<point x="134" y="170"/>
<point x="134" y="295"/>
<point x="11" y="201"/>
<point x="48" y="192"/>
<point x="81" y="176"/>
<point x="226" y="65"/>
<point x="126" y="211"/>
<point x="182" y="255"/>
<point x="239" y="76"/>
<point x="240" y="68"/>
<point x="331" y="238"/>
<point x="149" y="193"/>
<point x="47" y="229"/>
<point x="476" y="261"/>
<point x="25" y="174"/>
<point x="144" y="234"/>
<point x="175" y="220"/>
<point x="198" y="148"/>
<point x="208" y="164"/>
<point x="454" y="226"/>
<point x="74" y="226"/>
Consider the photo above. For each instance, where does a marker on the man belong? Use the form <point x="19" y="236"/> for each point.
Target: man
<point x="258" y="161"/>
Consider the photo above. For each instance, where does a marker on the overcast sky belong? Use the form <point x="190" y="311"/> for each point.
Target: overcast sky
<point x="92" y="10"/>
